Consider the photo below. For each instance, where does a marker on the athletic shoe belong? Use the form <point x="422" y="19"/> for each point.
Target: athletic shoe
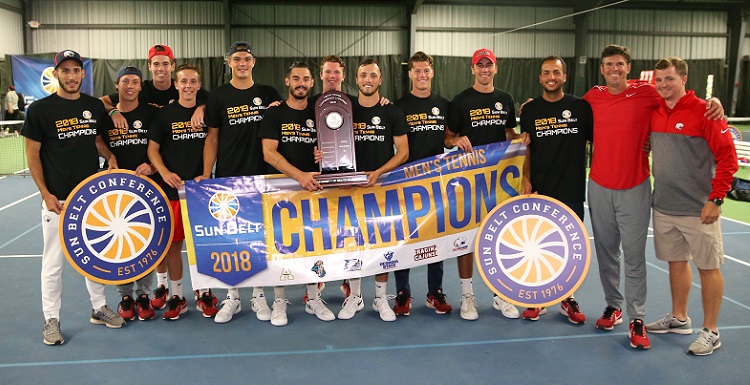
<point x="380" y="305"/>
<point x="175" y="307"/>
<point x="438" y="303"/>
<point x="611" y="318"/>
<point x="403" y="304"/>
<point x="214" y="300"/>
<point x="321" y="286"/>
<point x="318" y="307"/>
<point x="352" y="304"/>
<point x="144" y="308"/>
<point x="51" y="332"/>
<point x="278" y="314"/>
<point x="469" y="307"/>
<point x="570" y="308"/>
<point x="505" y="307"/>
<point x="669" y="324"/>
<point x="533" y="313"/>
<point x="260" y="307"/>
<point x="161" y="295"/>
<point x="705" y="344"/>
<point x="638" y="336"/>
<point x="126" y="308"/>
<point x="229" y="308"/>
<point x="345" y="288"/>
<point x="105" y="316"/>
<point x="207" y="305"/>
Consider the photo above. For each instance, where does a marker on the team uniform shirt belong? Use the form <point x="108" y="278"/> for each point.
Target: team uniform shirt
<point x="427" y="119"/>
<point x="295" y="132"/>
<point x="694" y="158"/>
<point x="238" y="115"/>
<point x="159" y="98"/>
<point x="620" y="132"/>
<point x="558" y="132"/>
<point x="180" y="144"/>
<point x="130" y="145"/>
<point x="482" y="117"/>
<point x="374" y="129"/>
<point x="67" y="131"/>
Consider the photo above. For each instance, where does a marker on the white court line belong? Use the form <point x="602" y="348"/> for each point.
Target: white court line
<point x="19" y="201"/>
<point x="17" y="172"/>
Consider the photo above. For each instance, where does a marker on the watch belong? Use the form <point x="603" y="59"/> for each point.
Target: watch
<point x="717" y="201"/>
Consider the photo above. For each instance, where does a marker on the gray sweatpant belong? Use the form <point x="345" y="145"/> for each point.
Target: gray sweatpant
<point x="621" y="216"/>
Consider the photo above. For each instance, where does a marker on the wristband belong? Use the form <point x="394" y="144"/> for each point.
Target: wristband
<point x="113" y="111"/>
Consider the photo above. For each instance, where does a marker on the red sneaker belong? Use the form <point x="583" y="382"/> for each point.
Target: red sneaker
<point x="570" y="308"/>
<point x="638" y="336"/>
<point x="214" y="300"/>
<point x="126" y="308"/>
<point x="439" y="303"/>
<point x="176" y="306"/>
<point x="160" y="297"/>
<point x="609" y="319"/>
<point x="207" y="304"/>
<point x="533" y="313"/>
<point x="145" y="310"/>
<point x="403" y="304"/>
<point x="321" y="286"/>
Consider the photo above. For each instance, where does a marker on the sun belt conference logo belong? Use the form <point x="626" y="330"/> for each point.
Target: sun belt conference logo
<point x="435" y="111"/>
<point x="87" y="114"/>
<point x="532" y="251"/>
<point x="116" y="227"/>
<point x="498" y="106"/>
<point x="223" y="206"/>
<point x="257" y="101"/>
<point x="566" y="114"/>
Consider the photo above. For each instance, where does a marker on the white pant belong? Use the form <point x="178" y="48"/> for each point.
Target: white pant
<point x="52" y="266"/>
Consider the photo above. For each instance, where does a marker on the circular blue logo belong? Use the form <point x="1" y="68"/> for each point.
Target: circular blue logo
<point x="116" y="227"/>
<point x="532" y="251"/>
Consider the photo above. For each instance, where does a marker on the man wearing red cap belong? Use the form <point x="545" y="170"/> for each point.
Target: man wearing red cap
<point x="234" y="113"/>
<point x="480" y="115"/>
<point x="63" y="146"/>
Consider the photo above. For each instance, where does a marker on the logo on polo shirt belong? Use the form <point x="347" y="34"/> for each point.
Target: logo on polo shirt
<point x="116" y="227"/>
<point x="679" y="126"/>
<point x="532" y="250"/>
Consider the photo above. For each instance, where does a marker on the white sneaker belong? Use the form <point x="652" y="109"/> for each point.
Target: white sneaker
<point x="278" y="315"/>
<point x="260" y="307"/>
<point x="469" y="307"/>
<point x="229" y="307"/>
<point x="318" y="307"/>
<point x="505" y="307"/>
<point x="352" y="304"/>
<point x="381" y="306"/>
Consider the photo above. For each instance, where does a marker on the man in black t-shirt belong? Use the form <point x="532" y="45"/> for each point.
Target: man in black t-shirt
<point x="234" y="113"/>
<point x="481" y="114"/>
<point x="129" y="146"/>
<point x="63" y="148"/>
<point x="159" y="91"/>
<point x="173" y="144"/>
<point x="377" y="130"/>
<point x="556" y="156"/>
<point x="427" y="116"/>
<point x="289" y="140"/>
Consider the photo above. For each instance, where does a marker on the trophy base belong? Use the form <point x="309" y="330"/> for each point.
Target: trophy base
<point x="342" y="179"/>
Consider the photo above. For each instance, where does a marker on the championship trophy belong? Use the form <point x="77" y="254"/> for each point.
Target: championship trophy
<point x="334" y="126"/>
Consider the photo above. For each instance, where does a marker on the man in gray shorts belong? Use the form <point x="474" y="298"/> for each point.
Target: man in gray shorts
<point x="693" y="162"/>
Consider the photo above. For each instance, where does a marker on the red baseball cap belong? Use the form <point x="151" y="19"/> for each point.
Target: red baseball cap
<point x="481" y="54"/>
<point x="160" y="49"/>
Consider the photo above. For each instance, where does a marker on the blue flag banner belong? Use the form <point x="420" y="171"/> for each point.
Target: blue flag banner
<point x="268" y="231"/>
<point x="33" y="77"/>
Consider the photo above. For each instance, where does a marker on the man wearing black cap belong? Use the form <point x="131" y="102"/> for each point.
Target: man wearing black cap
<point x="234" y="113"/>
<point x="129" y="146"/>
<point x="480" y="115"/>
<point x="63" y="146"/>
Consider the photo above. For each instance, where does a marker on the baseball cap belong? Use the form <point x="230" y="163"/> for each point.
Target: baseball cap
<point x="483" y="53"/>
<point x="240" y="46"/>
<point x="160" y="49"/>
<point x="128" y="70"/>
<point x="67" y="55"/>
